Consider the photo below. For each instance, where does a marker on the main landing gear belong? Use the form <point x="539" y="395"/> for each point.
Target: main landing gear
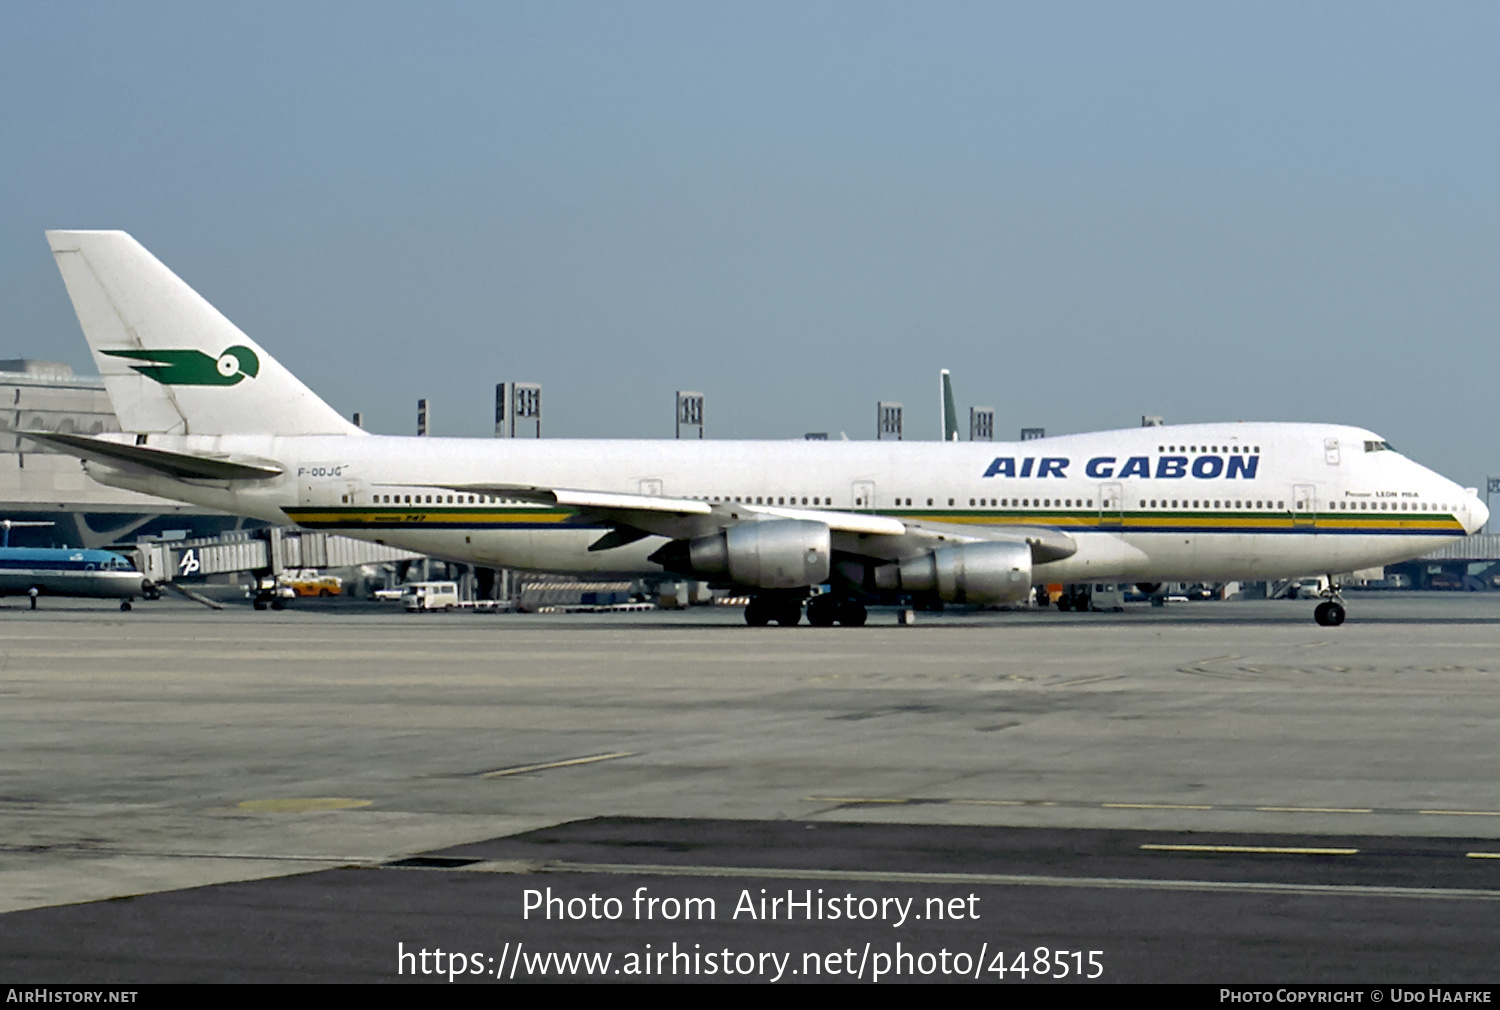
<point x="1330" y="613"/>
<point x="785" y="609"/>
<point x="827" y="610"/>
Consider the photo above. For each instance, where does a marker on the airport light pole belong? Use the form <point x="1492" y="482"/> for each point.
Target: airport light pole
<point x="689" y="412"/>
<point x="981" y="424"/>
<point x="516" y="402"/>
<point x="888" y="420"/>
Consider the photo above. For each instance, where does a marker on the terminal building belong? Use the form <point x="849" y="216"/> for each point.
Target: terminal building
<point x="38" y="485"/>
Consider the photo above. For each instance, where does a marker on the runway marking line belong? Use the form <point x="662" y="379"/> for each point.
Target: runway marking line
<point x="1483" y="855"/>
<point x="1089" y="804"/>
<point x="995" y="803"/>
<point x="568" y="763"/>
<point x="1263" y="850"/>
<point x="1087" y="680"/>
<point x="301" y="805"/>
<point x="994" y="879"/>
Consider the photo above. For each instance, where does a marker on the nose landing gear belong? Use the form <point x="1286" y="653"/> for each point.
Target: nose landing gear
<point x="1330" y="613"/>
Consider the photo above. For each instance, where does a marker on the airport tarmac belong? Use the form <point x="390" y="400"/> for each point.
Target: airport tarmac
<point x="228" y="772"/>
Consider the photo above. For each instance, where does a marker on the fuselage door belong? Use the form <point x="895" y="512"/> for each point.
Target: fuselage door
<point x="1111" y="506"/>
<point x="651" y="487"/>
<point x="1304" y="506"/>
<point x="864" y="494"/>
<point x="1331" y="451"/>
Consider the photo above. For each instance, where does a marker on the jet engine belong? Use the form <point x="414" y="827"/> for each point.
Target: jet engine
<point x="770" y="554"/>
<point x="997" y="571"/>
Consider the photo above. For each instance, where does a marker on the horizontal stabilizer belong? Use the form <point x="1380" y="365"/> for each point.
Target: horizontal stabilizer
<point x="181" y="465"/>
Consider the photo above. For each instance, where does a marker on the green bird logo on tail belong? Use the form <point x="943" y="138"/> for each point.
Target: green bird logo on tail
<point x="194" y="368"/>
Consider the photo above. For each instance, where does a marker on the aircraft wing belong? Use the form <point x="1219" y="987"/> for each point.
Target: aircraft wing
<point x="876" y="536"/>
<point x="180" y="465"/>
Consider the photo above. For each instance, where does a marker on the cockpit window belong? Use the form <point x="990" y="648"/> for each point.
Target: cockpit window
<point x="1381" y="446"/>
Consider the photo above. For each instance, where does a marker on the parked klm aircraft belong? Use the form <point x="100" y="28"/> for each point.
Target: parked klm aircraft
<point x="67" y="571"/>
<point x="211" y="418"/>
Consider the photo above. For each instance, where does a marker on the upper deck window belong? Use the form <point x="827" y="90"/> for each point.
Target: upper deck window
<point x="1378" y="446"/>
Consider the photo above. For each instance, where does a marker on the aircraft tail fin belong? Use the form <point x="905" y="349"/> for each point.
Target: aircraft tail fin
<point x="950" y="412"/>
<point x="171" y="362"/>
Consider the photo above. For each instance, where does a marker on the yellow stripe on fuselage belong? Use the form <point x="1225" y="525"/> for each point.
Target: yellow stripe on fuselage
<point x="428" y="516"/>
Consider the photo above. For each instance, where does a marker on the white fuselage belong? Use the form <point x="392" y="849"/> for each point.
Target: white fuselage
<point x="1186" y="502"/>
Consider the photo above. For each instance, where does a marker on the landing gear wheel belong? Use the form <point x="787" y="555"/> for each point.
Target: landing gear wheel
<point x="822" y="611"/>
<point x="757" y="614"/>
<point x="852" y="615"/>
<point x="124" y="604"/>
<point x="789" y="613"/>
<point x="1329" y="613"/>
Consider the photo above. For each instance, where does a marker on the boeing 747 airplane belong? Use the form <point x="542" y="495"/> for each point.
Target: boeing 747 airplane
<point x="210" y="418"/>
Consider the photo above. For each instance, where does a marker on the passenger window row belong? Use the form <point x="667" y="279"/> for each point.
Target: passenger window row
<point x="1205" y="503"/>
<point x="472" y="500"/>
<point x="1209" y="448"/>
<point x="1390" y="506"/>
<point x="764" y="499"/>
<point x="1031" y="502"/>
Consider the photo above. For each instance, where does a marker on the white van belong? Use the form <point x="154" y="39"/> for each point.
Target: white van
<point x="430" y="595"/>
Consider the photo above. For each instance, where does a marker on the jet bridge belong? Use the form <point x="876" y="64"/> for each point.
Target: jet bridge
<point x="264" y="553"/>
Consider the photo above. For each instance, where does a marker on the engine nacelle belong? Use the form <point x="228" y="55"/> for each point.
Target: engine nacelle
<point x="771" y="554"/>
<point x="996" y="571"/>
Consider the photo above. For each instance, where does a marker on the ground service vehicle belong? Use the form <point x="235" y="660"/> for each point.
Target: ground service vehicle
<point x="429" y="595"/>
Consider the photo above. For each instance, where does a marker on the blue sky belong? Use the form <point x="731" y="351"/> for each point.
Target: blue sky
<point x="1088" y="211"/>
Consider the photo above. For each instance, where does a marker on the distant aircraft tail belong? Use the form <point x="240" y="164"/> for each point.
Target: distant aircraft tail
<point x="171" y="362"/>
<point x="950" y="412"/>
